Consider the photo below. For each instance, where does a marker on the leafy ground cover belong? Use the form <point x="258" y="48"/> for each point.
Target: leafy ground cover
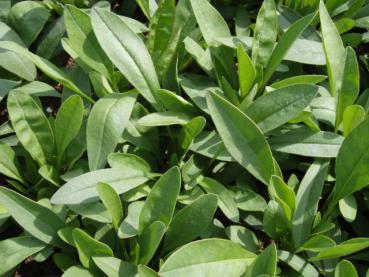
<point x="184" y="138"/>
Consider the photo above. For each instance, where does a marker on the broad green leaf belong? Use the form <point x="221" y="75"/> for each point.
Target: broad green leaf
<point x="213" y="256"/>
<point x="284" y="44"/>
<point x="128" y="161"/>
<point x="149" y="241"/>
<point x="114" y="267"/>
<point x="190" y="131"/>
<point x="317" y="243"/>
<point x="278" y="189"/>
<point x="351" y="170"/>
<point x="6" y="86"/>
<point x="265" y="263"/>
<point x="333" y="49"/>
<point x="243" y="237"/>
<point x="190" y="222"/>
<point x="77" y="271"/>
<point x="242" y="138"/>
<point x="31" y="126"/>
<point x="225" y="201"/>
<point x="348" y="208"/>
<point x="83" y="41"/>
<point x="39" y="89"/>
<point x="344" y="249"/>
<point x="298" y="264"/>
<point x="350" y="85"/>
<point x="161" y="201"/>
<point x="279" y="106"/>
<point x="9" y="165"/>
<point x="14" y="62"/>
<point x="307" y="199"/>
<point x="246" y="71"/>
<point x="47" y="67"/>
<point x="129" y="226"/>
<point x="275" y="220"/>
<point x="302" y="79"/>
<point x="82" y="189"/>
<point x="248" y="200"/>
<point x="201" y="56"/>
<point x="345" y="268"/>
<point x="68" y="122"/>
<point x="36" y="219"/>
<point x="305" y="142"/>
<point x="28" y="18"/>
<point x="144" y="271"/>
<point x="106" y="123"/>
<point x="15" y="250"/>
<point x="112" y="202"/>
<point x="211" y="23"/>
<point x="352" y="117"/>
<point x="164" y="119"/>
<point x="127" y="52"/>
<point x="174" y="102"/>
<point x="265" y="34"/>
<point x="89" y="247"/>
<point x="49" y="44"/>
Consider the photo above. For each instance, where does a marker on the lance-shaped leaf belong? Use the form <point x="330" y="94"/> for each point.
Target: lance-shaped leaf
<point x="242" y="138"/>
<point x="31" y="126"/>
<point x="112" y="203"/>
<point x="352" y="163"/>
<point x="36" y="219"/>
<point x="279" y="106"/>
<point x="162" y="199"/>
<point x="265" y="263"/>
<point x="9" y="165"/>
<point x="213" y="256"/>
<point x="149" y="241"/>
<point x="105" y="125"/>
<point x="82" y="189"/>
<point x="307" y="199"/>
<point x="13" y="251"/>
<point x="127" y="52"/>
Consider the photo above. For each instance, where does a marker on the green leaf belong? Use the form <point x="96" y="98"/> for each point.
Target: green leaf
<point x="14" y="62"/>
<point x="317" y="243"/>
<point x="128" y="161"/>
<point x="275" y="220"/>
<point x="213" y="256"/>
<point x="305" y="142"/>
<point x="47" y="67"/>
<point x="278" y="189"/>
<point x="129" y="226"/>
<point x="298" y="264"/>
<point x="211" y="23"/>
<point x="31" y="126"/>
<point x="83" y="41"/>
<point x="352" y="117"/>
<point x="348" y="208"/>
<point x="243" y="237"/>
<point x="161" y="201"/>
<point x="68" y="122"/>
<point x="13" y="251"/>
<point x="127" y="52"/>
<point x="265" y="34"/>
<point x="36" y="219"/>
<point x="149" y="241"/>
<point x="190" y="131"/>
<point x="82" y="189"/>
<point x="28" y="18"/>
<point x="333" y="49"/>
<point x="106" y="123"/>
<point x="279" y="106"/>
<point x="344" y="249"/>
<point x="190" y="222"/>
<point x="302" y="79"/>
<point x="265" y="263"/>
<point x="284" y="44"/>
<point x="88" y="247"/>
<point x="246" y="71"/>
<point x="174" y="102"/>
<point x="112" y="202"/>
<point x="307" y="199"/>
<point x="350" y="84"/>
<point x="9" y="165"/>
<point x="225" y="200"/>
<point x="351" y="170"/>
<point x="6" y="86"/>
<point x="114" y="267"/>
<point x="164" y="119"/>
<point x="345" y="268"/>
<point x="242" y="138"/>
<point x="77" y="271"/>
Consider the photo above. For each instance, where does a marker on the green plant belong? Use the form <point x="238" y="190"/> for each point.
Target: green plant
<point x="189" y="142"/>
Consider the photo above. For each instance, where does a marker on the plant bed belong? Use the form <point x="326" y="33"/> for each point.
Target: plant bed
<point x="184" y="138"/>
